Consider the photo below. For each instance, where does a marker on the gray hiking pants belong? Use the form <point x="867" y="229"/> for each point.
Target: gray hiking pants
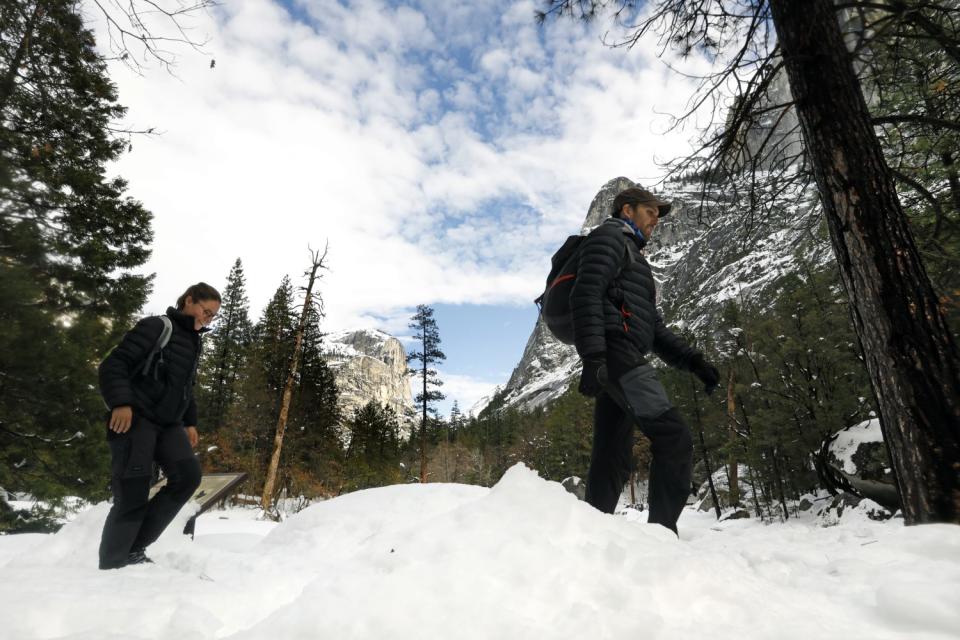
<point x="638" y="399"/>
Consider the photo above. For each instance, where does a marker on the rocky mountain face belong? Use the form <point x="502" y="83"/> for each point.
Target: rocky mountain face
<point x="703" y="254"/>
<point x="370" y="365"/>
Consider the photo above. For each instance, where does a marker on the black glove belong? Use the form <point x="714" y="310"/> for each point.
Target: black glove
<point x="707" y="373"/>
<point x="594" y="376"/>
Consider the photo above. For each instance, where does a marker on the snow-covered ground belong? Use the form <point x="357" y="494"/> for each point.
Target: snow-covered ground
<point x="524" y="559"/>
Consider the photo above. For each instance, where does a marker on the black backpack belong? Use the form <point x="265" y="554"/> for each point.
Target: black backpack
<point x="151" y="366"/>
<point x="554" y="302"/>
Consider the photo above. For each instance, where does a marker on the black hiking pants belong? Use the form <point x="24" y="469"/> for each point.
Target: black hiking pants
<point x="638" y="398"/>
<point x="134" y="521"/>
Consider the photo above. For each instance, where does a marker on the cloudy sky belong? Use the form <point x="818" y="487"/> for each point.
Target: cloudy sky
<point x="442" y="149"/>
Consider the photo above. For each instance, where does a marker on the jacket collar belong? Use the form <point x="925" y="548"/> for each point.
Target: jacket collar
<point x="629" y="229"/>
<point x="184" y="320"/>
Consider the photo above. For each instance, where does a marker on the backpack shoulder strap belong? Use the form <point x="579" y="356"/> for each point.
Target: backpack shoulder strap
<point x="161" y="342"/>
<point x="166" y="333"/>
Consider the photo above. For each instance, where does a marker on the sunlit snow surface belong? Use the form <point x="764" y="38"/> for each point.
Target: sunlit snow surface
<point x="522" y="560"/>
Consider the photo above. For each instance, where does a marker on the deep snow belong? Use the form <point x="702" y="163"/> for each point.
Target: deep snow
<point x="524" y="559"/>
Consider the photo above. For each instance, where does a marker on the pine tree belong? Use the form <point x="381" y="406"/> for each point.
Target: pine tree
<point x="252" y="415"/>
<point x="428" y="335"/>
<point x="568" y="429"/>
<point x="373" y="456"/>
<point x="798" y="379"/>
<point x="225" y="352"/>
<point x="274" y="337"/>
<point x="312" y="451"/>
<point x="455" y="424"/>
<point x="69" y="243"/>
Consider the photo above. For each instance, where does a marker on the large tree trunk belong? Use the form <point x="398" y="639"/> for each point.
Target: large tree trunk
<point x="912" y="360"/>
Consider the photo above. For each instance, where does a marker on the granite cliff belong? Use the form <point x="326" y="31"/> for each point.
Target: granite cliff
<point x="370" y="365"/>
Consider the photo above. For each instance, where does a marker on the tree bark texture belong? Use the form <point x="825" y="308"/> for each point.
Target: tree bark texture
<point x="910" y="355"/>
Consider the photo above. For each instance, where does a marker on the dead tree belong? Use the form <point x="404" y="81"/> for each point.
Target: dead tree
<point x="311" y="300"/>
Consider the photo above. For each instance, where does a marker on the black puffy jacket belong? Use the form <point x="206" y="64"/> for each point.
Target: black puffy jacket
<point x="614" y="311"/>
<point x="166" y="399"/>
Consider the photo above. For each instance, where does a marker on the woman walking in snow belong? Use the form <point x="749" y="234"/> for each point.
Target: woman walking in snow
<point x="147" y="382"/>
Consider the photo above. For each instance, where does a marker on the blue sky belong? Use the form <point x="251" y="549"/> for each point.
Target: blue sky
<point x="483" y="344"/>
<point x="443" y="149"/>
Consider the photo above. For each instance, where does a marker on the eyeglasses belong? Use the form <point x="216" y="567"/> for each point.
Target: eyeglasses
<point x="207" y="314"/>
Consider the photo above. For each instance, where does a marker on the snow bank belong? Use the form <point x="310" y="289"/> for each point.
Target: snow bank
<point x="523" y="559"/>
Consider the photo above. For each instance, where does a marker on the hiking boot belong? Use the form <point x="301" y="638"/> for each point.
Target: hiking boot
<point x="138" y="556"/>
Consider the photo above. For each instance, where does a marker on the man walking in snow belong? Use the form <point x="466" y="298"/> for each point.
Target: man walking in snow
<point x="616" y="324"/>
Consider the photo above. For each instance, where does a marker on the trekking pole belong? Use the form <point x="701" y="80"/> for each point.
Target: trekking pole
<point x="703" y="448"/>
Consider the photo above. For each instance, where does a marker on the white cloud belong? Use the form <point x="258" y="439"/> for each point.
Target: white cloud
<point x="496" y="62"/>
<point x="432" y="145"/>
<point x="466" y="390"/>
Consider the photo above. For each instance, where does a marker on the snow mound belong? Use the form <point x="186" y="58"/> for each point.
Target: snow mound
<point x="523" y="559"/>
<point x="351" y="520"/>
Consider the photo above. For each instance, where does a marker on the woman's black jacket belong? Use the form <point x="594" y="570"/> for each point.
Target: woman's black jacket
<point x="167" y="397"/>
<point x="614" y="311"/>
